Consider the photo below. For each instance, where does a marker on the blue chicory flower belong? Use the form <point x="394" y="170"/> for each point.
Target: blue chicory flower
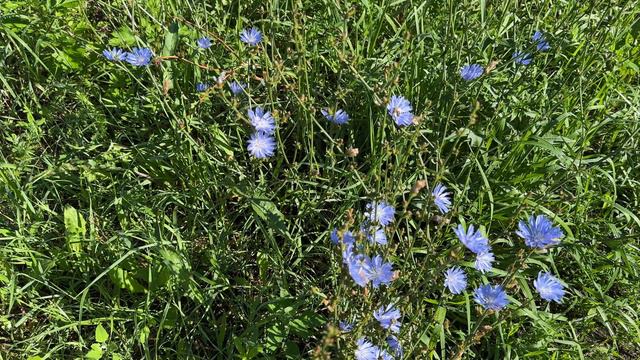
<point x="366" y="350"/>
<point x="139" y="57"/>
<point x="388" y="317"/>
<point x="539" y="232"/>
<point x="359" y="269"/>
<point x="455" y="280"/>
<point x="261" y="145"/>
<point x="473" y="240"/>
<point x="540" y="41"/>
<point x="200" y="87"/>
<point x="400" y="110"/>
<point x="339" y="117"/>
<point x="484" y="261"/>
<point x="471" y="72"/>
<point x="251" y="36"/>
<point x="114" y="54"/>
<point x="204" y="42"/>
<point x="491" y="297"/>
<point x="262" y="120"/>
<point x="441" y="198"/>
<point x="237" y="88"/>
<point x="380" y="272"/>
<point x="380" y="212"/>
<point x="395" y="346"/>
<point x="549" y="287"/>
<point x="521" y="58"/>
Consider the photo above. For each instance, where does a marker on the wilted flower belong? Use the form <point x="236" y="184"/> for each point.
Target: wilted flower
<point x="200" y="87"/>
<point x="261" y="145"/>
<point x="380" y="212"/>
<point x="262" y="120"/>
<point x="380" y="272"/>
<point x="471" y="72"/>
<point x="400" y="110"/>
<point x="394" y="345"/>
<point x="540" y="41"/>
<point x="236" y="87"/>
<point x="441" y="198"/>
<point x="346" y="326"/>
<point x="539" y="232"/>
<point x="549" y="287"/>
<point x="474" y="241"/>
<point x="204" y="42"/>
<point x="139" y="56"/>
<point x="521" y="58"/>
<point x="455" y="280"/>
<point x="339" y="117"/>
<point x="251" y="36"/>
<point x="491" y="297"/>
<point x="484" y="261"/>
<point x="388" y="317"/>
<point x="366" y="350"/>
<point x="114" y="54"/>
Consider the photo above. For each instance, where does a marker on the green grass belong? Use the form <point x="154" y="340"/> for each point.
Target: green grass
<point x="134" y="224"/>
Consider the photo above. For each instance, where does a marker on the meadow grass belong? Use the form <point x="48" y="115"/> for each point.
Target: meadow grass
<point x="134" y="224"/>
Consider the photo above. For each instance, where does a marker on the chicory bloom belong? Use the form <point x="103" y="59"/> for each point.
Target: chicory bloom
<point x="484" y="261"/>
<point x="441" y="198"/>
<point x="400" y="110"/>
<point x="251" y="36"/>
<point x="380" y="272"/>
<point x="491" y="297"/>
<point x="114" y="54"/>
<point x="339" y="117"/>
<point x="380" y="212"/>
<point x="540" y="41"/>
<point x="366" y="350"/>
<point x="261" y="145"/>
<point x="471" y="72"/>
<point x="388" y="317"/>
<point x="521" y="58"/>
<point x="455" y="280"/>
<point x="474" y="241"/>
<point x="539" y="232"/>
<point x="204" y="42"/>
<point x="262" y="120"/>
<point x="549" y="287"/>
<point x="359" y="269"/>
<point x="139" y="57"/>
<point x="335" y="238"/>
<point x="375" y="235"/>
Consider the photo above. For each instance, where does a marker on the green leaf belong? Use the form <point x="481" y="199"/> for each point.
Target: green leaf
<point x="95" y="353"/>
<point x="169" y="49"/>
<point x="124" y="280"/>
<point x="75" y="228"/>
<point x="101" y="334"/>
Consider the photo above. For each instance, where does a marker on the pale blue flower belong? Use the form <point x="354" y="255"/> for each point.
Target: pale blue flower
<point x="251" y="36"/>
<point x="262" y="120"/>
<point x="380" y="212"/>
<point x="473" y="240"/>
<point x="455" y="280"/>
<point x="366" y="350"/>
<point x="441" y="198"/>
<point x="339" y="117"/>
<point x="359" y="269"/>
<point x="549" y="287"/>
<point x="400" y="110"/>
<point x="491" y="297"/>
<point x="380" y="272"/>
<point x="261" y="145"/>
<point x="139" y="57"/>
<point x="335" y="238"/>
<point x="388" y="317"/>
<point x="539" y="232"/>
<point x="114" y="54"/>
<point x="375" y="234"/>
<point x="204" y="42"/>
<point x="471" y="72"/>
<point x="484" y="261"/>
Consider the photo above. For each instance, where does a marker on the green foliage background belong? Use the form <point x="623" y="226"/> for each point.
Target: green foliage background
<point x="133" y="223"/>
